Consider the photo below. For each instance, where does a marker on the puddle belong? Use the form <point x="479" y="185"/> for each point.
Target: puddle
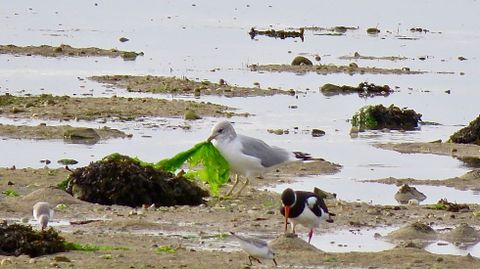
<point x="369" y="240"/>
<point x="375" y="193"/>
<point x="360" y="240"/>
<point x="444" y="247"/>
<point x="54" y="222"/>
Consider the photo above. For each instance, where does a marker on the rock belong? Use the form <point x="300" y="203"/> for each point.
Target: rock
<point x="379" y="117"/>
<point x="317" y="132"/>
<point x="300" y="60"/>
<point x="414" y="231"/>
<point x="61" y="259"/>
<point x="121" y="180"/>
<point x="191" y="115"/>
<point x="363" y="89"/>
<point x="469" y="134"/>
<point x="373" y="30"/>
<point x="67" y="161"/>
<point x="123" y="39"/>
<point x="463" y="233"/>
<point x="406" y="193"/>
<point x="6" y="262"/>
<point x="81" y="133"/>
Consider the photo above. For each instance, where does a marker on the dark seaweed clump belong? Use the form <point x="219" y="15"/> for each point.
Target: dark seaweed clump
<point x="469" y="134"/>
<point x="380" y="117"/>
<point x="364" y="89"/>
<point x="19" y="239"/>
<point x="282" y="34"/>
<point x="121" y="180"/>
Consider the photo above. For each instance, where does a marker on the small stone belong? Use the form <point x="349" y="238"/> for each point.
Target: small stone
<point x="61" y="259"/>
<point x="123" y="39"/>
<point x="317" y="132"/>
<point x="300" y="60"/>
<point x="5" y="262"/>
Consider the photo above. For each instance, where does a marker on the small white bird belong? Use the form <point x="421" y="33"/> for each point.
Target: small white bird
<point x="255" y="248"/>
<point x="248" y="156"/>
<point x="43" y="212"/>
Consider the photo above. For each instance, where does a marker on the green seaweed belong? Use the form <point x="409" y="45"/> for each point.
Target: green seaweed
<point x="10" y="193"/>
<point x="90" y="248"/>
<point x="165" y="249"/>
<point x="364" y="119"/>
<point x="215" y="170"/>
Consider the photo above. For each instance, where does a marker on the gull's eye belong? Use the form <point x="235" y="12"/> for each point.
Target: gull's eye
<point x="220" y="130"/>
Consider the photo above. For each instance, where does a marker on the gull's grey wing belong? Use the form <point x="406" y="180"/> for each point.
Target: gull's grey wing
<point x="269" y="156"/>
<point x="251" y="240"/>
<point x="43" y="208"/>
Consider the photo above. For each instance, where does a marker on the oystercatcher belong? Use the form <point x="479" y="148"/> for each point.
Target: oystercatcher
<point x="305" y="208"/>
<point x="43" y="212"/>
<point x="255" y="248"/>
<point x="248" y="156"/>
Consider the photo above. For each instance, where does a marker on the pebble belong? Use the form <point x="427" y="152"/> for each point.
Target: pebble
<point x="61" y="259"/>
<point x="5" y="262"/>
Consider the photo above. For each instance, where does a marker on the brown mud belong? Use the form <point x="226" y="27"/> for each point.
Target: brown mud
<point x="89" y="108"/>
<point x="196" y="236"/>
<point x="67" y="51"/>
<point x="332" y="69"/>
<point x="46" y="132"/>
<point x="182" y="86"/>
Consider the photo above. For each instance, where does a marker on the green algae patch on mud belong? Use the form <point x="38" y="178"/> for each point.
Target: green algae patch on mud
<point x="19" y="239"/>
<point x="90" y="247"/>
<point x="67" y="51"/>
<point x="181" y="86"/>
<point x="324" y="69"/>
<point x="469" y="134"/>
<point x="47" y="106"/>
<point x="364" y="89"/>
<point x="121" y="180"/>
<point x="374" y="117"/>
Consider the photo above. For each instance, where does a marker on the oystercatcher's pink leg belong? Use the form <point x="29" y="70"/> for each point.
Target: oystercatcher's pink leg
<point x="310" y="235"/>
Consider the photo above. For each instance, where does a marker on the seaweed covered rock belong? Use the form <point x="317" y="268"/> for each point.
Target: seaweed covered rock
<point x="469" y="134"/>
<point x="407" y="193"/>
<point x="118" y="179"/>
<point x="363" y="89"/>
<point x="380" y="117"/>
<point x="19" y="239"/>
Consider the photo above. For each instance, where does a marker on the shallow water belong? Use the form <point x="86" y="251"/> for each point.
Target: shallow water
<point x="181" y="39"/>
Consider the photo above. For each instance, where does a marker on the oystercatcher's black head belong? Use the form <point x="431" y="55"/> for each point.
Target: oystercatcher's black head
<point x="288" y="199"/>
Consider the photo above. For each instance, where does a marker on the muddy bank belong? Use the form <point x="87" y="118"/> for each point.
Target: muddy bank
<point x="186" y="236"/>
<point x="449" y="149"/>
<point x="324" y="69"/>
<point x="47" y="106"/>
<point x="469" y="181"/>
<point x="67" y="132"/>
<point x="357" y="56"/>
<point x="67" y="51"/>
<point x="183" y="86"/>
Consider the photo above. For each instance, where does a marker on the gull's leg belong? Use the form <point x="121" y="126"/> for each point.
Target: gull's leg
<point x="247" y="181"/>
<point x="233" y="187"/>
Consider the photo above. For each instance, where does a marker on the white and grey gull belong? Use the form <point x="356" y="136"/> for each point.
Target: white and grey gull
<point x="43" y="213"/>
<point x="248" y="156"/>
<point x="256" y="248"/>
